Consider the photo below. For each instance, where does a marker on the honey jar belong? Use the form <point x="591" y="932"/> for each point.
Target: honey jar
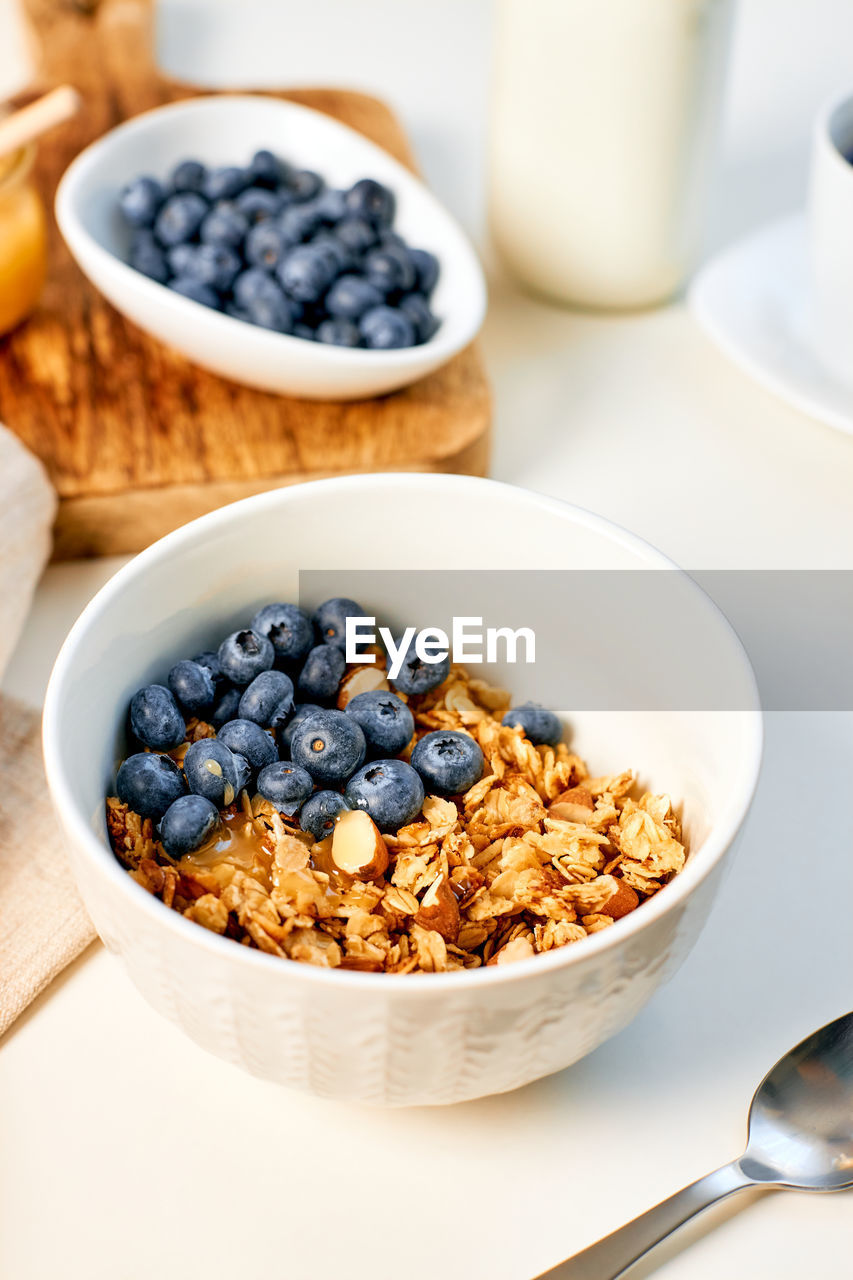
<point x="23" y="239"/>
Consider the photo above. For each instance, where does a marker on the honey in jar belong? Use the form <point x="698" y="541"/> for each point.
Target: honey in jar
<point x="23" y="239"/>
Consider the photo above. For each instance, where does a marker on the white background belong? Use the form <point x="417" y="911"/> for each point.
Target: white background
<point x="127" y="1153"/>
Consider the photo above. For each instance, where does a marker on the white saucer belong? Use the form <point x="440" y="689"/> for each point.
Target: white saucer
<point x="753" y="302"/>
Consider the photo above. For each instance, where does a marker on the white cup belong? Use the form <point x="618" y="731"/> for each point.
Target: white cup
<point x="831" y="236"/>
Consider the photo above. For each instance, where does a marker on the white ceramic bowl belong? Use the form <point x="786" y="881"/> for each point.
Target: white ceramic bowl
<point x="228" y="130"/>
<point x="376" y="1038"/>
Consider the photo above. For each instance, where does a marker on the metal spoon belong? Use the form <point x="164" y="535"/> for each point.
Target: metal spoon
<point x="800" y="1139"/>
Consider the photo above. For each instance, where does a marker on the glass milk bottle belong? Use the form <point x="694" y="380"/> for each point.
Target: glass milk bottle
<point x="603" y="127"/>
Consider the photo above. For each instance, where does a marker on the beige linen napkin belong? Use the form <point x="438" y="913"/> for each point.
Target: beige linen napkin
<point x="43" y="925"/>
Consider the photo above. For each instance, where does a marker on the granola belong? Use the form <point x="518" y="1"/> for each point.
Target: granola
<point x="535" y="855"/>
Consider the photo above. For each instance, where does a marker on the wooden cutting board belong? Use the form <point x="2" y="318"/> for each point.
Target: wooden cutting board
<point x="136" y="440"/>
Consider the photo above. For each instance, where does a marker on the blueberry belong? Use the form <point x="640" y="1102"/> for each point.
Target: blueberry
<point x="304" y="184"/>
<point x="416" y="307"/>
<point x="210" y="660"/>
<point x="390" y="270"/>
<point x="306" y="272"/>
<point x="187" y="287"/>
<point x="389" y="239"/>
<point x="268" y="700"/>
<point x="179" y="258"/>
<point x="180" y="218"/>
<point x="350" y="296"/>
<point x="187" y="824"/>
<point x="192" y="686"/>
<point x="140" y="201"/>
<point x="448" y="762"/>
<point x="329" y="744"/>
<point x="149" y="783"/>
<point x="417" y="676"/>
<point x="305" y="331"/>
<point x="356" y="235"/>
<point x="301" y="712"/>
<point x="257" y="204"/>
<point x="251" y="285"/>
<point x="321" y="674"/>
<point x="372" y="202"/>
<point x="267" y="170"/>
<point x="285" y="785"/>
<point x="263" y="301"/>
<point x="386" y="329"/>
<point x="147" y="256"/>
<point x="320" y="812"/>
<point x="225" y="183"/>
<point x="426" y="269"/>
<point x="155" y="719"/>
<point x="226" y="707"/>
<point x="289" y="629"/>
<point x="211" y="264"/>
<point x="332" y="205"/>
<point x="265" y="246"/>
<point x="244" y="770"/>
<point x="344" y="260"/>
<point x="299" y="222"/>
<point x="244" y="655"/>
<point x="225" y="225"/>
<point x="237" y="313"/>
<point x="271" y="313"/>
<point x="212" y="771"/>
<point x="539" y="725"/>
<point x="189" y="175"/>
<point x="330" y="619"/>
<point x="248" y="739"/>
<point x="339" y="333"/>
<point x="390" y="791"/>
<point x="386" y="721"/>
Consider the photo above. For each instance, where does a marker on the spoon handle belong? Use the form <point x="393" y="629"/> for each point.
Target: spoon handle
<point x="612" y="1256"/>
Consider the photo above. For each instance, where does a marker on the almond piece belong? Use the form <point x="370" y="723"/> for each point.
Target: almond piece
<point x="518" y="949"/>
<point x="574" y="805"/>
<point x="624" y="900"/>
<point x="439" y="909"/>
<point x="357" y="846"/>
<point x="360" y="680"/>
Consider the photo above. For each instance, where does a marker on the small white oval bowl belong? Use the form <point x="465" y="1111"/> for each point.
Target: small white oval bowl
<point x="227" y="130"/>
<point x="382" y="1038"/>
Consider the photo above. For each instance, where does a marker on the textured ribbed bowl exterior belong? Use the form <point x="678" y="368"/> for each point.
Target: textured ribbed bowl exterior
<point x="393" y="1046"/>
<point x="382" y="1039"/>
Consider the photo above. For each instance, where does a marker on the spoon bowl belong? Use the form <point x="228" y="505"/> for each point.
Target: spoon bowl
<point x="801" y="1118"/>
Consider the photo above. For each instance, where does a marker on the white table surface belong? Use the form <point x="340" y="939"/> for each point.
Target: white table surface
<point x="128" y="1153"/>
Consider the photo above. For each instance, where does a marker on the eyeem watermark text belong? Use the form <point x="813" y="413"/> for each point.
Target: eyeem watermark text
<point x="468" y="642"/>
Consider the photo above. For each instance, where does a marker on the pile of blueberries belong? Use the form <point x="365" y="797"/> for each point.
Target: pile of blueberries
<point x="275" y="246"/>
<point x="269" y="692"/>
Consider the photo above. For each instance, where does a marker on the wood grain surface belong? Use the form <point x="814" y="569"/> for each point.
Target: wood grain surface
<point x="136" y="439"/>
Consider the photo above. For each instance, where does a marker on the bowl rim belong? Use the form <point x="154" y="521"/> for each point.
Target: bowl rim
<point x="96" y="849"/>
<point x="455" y="331"/>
